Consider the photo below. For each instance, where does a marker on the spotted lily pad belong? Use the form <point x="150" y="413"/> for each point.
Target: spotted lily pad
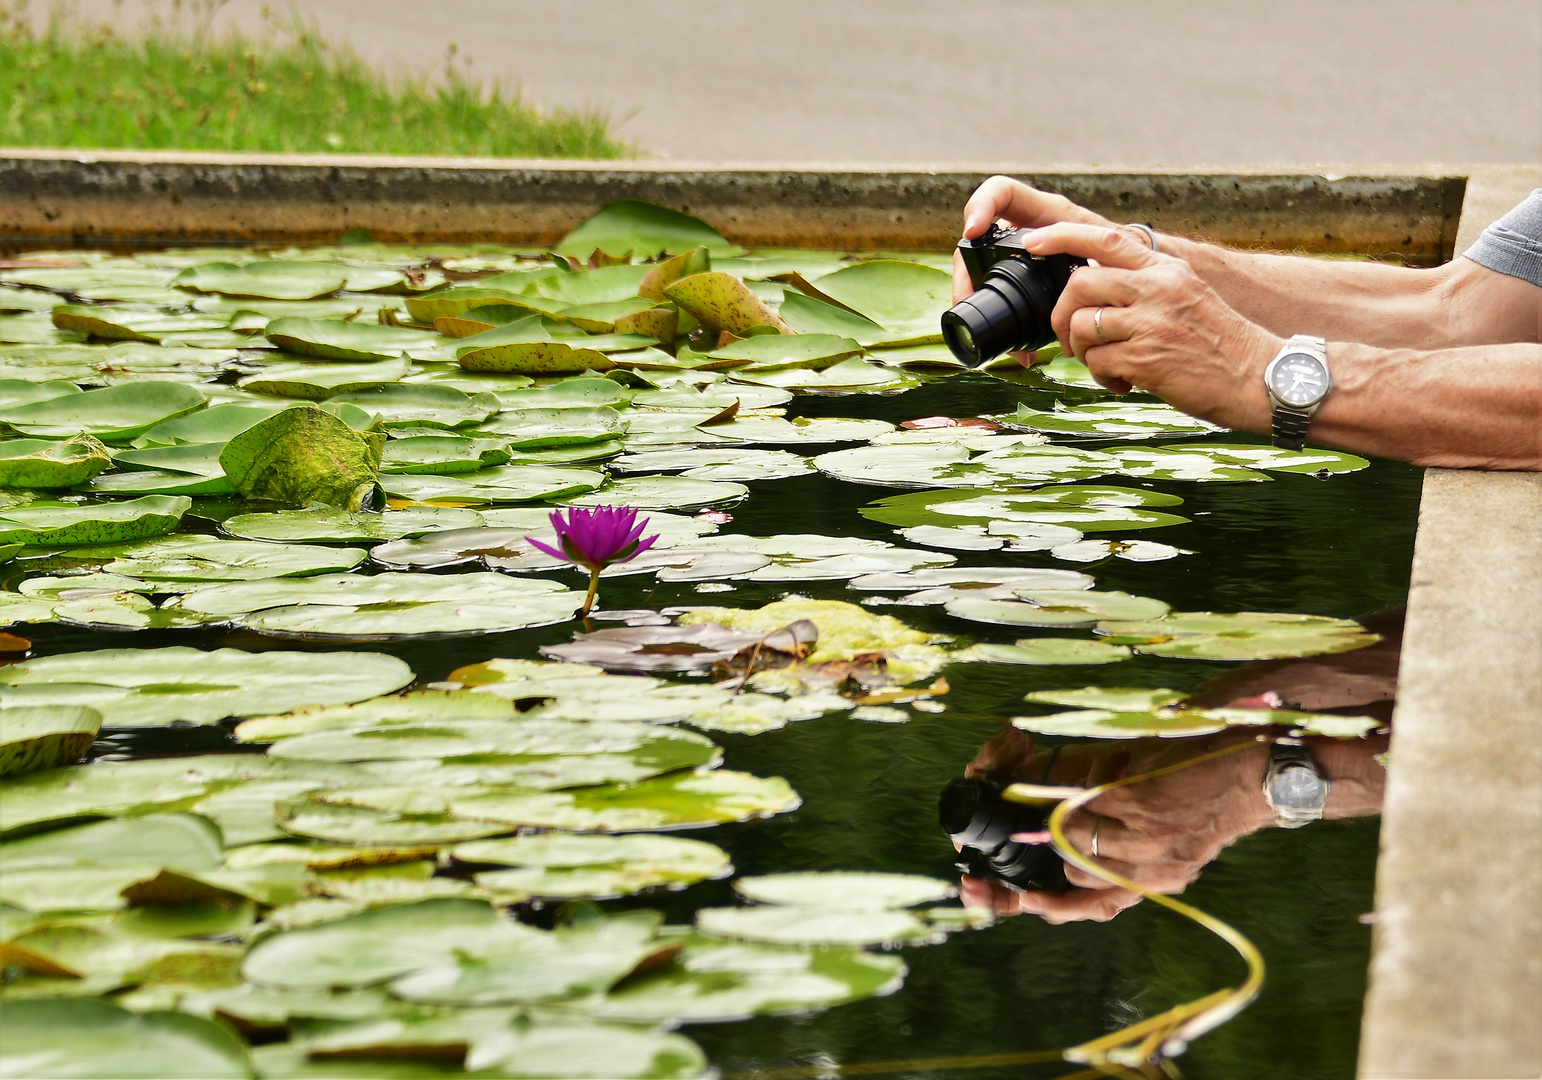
<point x="723" y="302"/>
<point x="305" y="456"/>
<point x="1130" y="550"/>
<point x="156" y="687"/>
<point x="336" y="339"/>
<point x="566" y="865"/>
<point x="275" y="279"/>
<point x="44" y="736"/>
<point x="316" y="382"/>
<point x="45" y="464"/>
<point x="681" y="801"/>
<point x="1246" y="635"/>
<point x="70" y="524"/>
<point x="1116" y="698"/>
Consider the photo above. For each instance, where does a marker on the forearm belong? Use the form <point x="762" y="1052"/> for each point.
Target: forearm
<point x="1357" y="779"/>
<point x="1345" y="300"/>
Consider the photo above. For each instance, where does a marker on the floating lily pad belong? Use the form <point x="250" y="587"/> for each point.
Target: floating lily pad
<point x="905" y="298"/>
<point x="216" y="424"/>
<point x="178" y="841"/>
<point x="1116" y="698"/>
<point x="1179" y="722"/>
<point x="566" y="865"/>
<point x="336" y="339"/>
<point x="70" y="524"/>
<point x="305" y="456"/>
<point x="688" y="801"/>
<point x="643" y="230"/>
<point x="1177" y="463"/>
<point x="206" y="558"/>
<point x="802" y="430"/>
<point x="129" y="324"/>
<point x="1047" y="652"/>
<point x="1046" y="607"/>
<point x="713" y="463"/>
<point x="1130" y="550"/>
<point x="804" y="926"/>
<point x="43" y="737"/>
<point x="845" y="890"/>
<point x="790" y="351"/>
<point x="534" y="429"/>
<point x="1276" y="460"/>
<point x="275" y="279"/>
<point x="1088" y="508"/>
<point x="419" y="705"/>
<point x="383" y="816"/>
<point x="85" y="1037"/>
<point x="400" y="405"/>
<point x="507" y="483"/>
<point x="1124" y="419"/>
<point x="156" y="687"/>
<point x="315" y="382"/>
<point x="43" y="464"/>
<point x="1247" y="635"/>
<point x="341" y="526"/>
<point x="723" y="302"/>
<point x="847" y="377"/>
<point x="113" y="413"/>
<point x="442" y="455"/>
<point x="714" y="980"/>
<point x="662" y="493"/>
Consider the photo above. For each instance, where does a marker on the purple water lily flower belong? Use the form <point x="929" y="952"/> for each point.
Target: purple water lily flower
<point x="595" y="539"/>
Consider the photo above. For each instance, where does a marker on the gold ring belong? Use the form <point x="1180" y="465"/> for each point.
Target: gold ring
<point x="1097" y="324"/>
<point x="1095" y="828"/>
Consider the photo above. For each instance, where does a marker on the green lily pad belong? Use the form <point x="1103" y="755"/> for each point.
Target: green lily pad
<point x="442" y="455"/>
<point x="731" y="464"/>
<point x="317" y="381"/>
<point x="532" y="429"/>
<point x="374" y="947"/>
<point x="1116" y="698"/>
<point x="396" y="816"/>
<point x="714" y="980"/>
<point x="130" y="324"/>
<point x="643" y="230"/>
<point x="682" y="801"/>
<point x="603" y="285"/>
<point x="507" y="483"/>
<point x="1246" y="635"/>
<point x="661" y="493"/>
<point x="276" y="279"/>
<point x="341" y="526"/>
<point x="790" y="350"/>
<point x="70" y="524"/>
<point x="1130" y="550"/>
<point x="177" y="841"/>
<point x="1047" y="607"/>
<point x="1180" y="723"/>
<point x="102" y="610"/>
<point x="810" y="430"/>
<point x="216" y="424"/>
<point x="113" y="413"/>
<point x="940" y="464"/>
<point x="194" y="459"/>
<point x="304" y="456"/>
<point x="723" y="302"/>
<point x="845" y="890"/>
<point x="804" y="926"/>
<point x="207" y="558"/>
<point x="1108" y="419"/>
<point x="1178" y="463"/>
<point x="24" y="392"/>
<point x="336" y="339"/>
<point x="905" y="298"/>
<point x="160" y="482"/>
<point x="422" y="406"/>
<point x="85" y="1037"/>
<point x="419" y="705"/>
<point x="853" y="376"/>
<point x="806" y="315"/>
<point x="43" y="737"/>
<point x="1088" y="508"/>
<point x="385" y="606"/>
<point x="568" y="865"/>
<point x="1276" y="460"/>
<point x="42" y="464"/>
<point x="1047" y="652"/>
<point x="156" y="687"/>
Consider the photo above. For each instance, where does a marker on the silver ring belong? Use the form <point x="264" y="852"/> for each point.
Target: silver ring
<point x="1097" y="324"/>
<point x="1148" y="230"/>
<point x="1095" y="829"/>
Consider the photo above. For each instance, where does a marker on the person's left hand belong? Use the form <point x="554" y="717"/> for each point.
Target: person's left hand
<point x="1163" y="329"/>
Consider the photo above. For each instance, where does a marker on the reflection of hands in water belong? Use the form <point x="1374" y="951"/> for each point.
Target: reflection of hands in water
<point x="1161" y="832"/>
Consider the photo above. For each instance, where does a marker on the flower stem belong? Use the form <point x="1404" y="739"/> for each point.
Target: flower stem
<point x="594" y="585"/>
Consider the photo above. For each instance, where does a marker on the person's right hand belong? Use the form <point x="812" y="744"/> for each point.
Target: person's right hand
<point x="1023" y="206"/>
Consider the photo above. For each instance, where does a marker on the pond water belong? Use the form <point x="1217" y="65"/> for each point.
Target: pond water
<point x="1337" y="546"/>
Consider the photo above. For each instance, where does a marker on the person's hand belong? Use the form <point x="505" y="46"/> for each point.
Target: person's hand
<point x="1025" y="207"/>
<point x="1163" y="330"/>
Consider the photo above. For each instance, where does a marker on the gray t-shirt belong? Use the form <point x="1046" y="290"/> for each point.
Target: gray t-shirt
<point x="1513" y="244"/>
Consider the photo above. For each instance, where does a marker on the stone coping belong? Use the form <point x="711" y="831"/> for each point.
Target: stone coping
<point x="155" y="199"/>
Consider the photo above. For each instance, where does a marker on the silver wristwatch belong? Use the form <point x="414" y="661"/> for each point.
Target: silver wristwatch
<point x="1297" y="381"/>
<point x="1293" y="787"/>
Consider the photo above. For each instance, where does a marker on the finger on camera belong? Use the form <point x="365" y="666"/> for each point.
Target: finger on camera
<point x="1111" y="247"/>
<point x="1004" y="197"/>
<point x="1113" y="836"/>
<point x="1082" y="879"/>
<point x="1079" y="905"/>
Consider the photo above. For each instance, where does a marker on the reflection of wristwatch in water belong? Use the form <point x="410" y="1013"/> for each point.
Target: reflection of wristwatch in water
<point x="1293" y="787"/>
<point x="1297" y="381"/>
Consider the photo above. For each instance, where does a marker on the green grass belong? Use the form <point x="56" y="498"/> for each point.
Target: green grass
<point x="73" y="85"/>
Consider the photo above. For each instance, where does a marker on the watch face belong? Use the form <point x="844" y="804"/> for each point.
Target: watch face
<point x="1297" y="787"/>
<point x="1299" y="379"/>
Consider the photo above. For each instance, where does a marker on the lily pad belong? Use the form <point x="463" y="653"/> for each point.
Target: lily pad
<point x="1246" y="635"/>
<point x="1177" y="463"/>
<point x="178" y="841"/>
<point x="305" y="456"/>
<point x="1048" y="652"/>
<point x="567" y="865"/>
<point x="712" y="463"/>
<point x="156" y="687"/>
<point x="113" y="413"/>
<point x="43" y="464"/>
<point x="1088" y="508"/>
<point x="85" y="1037"/>
<point x="422" y="406"/>
<point x="336" y="339"/>
<point x="1046" y="607"/>
<point x="1122" y="419"/>
<point x="1130" y="550"/>
<point x="532" y="429"/>
<point x="419" y="705"/>
<point x="845" y="890"/>
<point x="442" y="455"/>
<point x="643" y="230"/>
<point x="683" y="801"/>
<point x="805" y="926"/>
<point x="342" y="526"/>
<point x="129" y="324"/>
<point x="723" y="302"/>
<point x="315" y="382"/>
<point x="1180" y="722"/>
<point x="790" y="350"/>
<point x="384" y="816"/>
<point x="1276" y="460"/>
<point x="661" y="493"/>
<point x="71" y="524"/>
<point x="275" y="279"/>
<point x="216" y="424"/>
<point x="206" y="558"/>
<point x="45" y="736"/>
<point x="905" y="298"/>
<point x="507" y="483"/>
<point x="1116" y="698"/>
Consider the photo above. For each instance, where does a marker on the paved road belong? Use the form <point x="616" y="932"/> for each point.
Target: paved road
<point x="1042" y="82"/>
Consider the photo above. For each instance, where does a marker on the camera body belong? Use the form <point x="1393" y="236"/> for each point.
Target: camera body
<point x="1015" y="293"/>
<point x="973" y="814"/>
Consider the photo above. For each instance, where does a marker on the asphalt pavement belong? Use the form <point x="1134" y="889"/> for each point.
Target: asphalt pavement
<point x="1028" y="82"/>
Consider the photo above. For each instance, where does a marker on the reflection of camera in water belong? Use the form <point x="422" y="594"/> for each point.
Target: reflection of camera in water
<point x="1015" y="292"/>
<point x="973" y="813"/>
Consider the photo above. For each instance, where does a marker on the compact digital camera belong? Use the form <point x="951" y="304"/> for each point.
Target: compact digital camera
<point x="973" y="813"/>
<point x="1015" y="292"/>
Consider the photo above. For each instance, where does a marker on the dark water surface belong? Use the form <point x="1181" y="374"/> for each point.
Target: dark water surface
<point x="1339" y="547"/>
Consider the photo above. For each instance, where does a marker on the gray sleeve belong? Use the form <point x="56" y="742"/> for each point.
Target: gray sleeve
<point x="1513" y="244"/>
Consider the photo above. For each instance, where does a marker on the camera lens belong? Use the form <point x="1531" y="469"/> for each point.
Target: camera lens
<point x="1010" y="311"/>
<point x="974" y="815"/>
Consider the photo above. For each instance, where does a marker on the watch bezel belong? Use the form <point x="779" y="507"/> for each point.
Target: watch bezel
<point x="1286" y="354"/>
